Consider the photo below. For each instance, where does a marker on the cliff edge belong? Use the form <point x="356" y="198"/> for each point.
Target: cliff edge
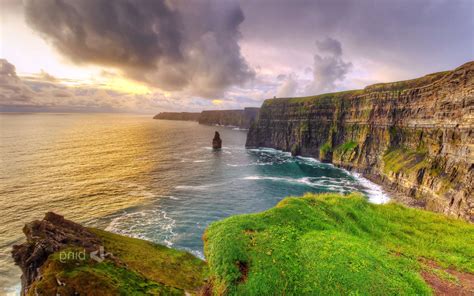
<point x="327" y="244"/>
<point x="416" y="137"/>
<point x="61" y="257"/>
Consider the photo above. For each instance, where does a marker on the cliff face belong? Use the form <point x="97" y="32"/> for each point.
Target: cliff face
<point x="238" y="118"/>
<point x="187" y="116"/>
<point x="416" y="137"/>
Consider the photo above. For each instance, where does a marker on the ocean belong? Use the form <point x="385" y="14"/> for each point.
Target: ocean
<point x="157" y="180"/>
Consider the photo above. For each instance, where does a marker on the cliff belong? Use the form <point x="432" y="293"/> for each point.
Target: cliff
<point x="326" y="244"/>
<point x="186" y="116"/>
<point x="415" y="137"/>
<point x="237" y="118"/>
<point x="61" y="257"/>
<point x="334" y="245"/>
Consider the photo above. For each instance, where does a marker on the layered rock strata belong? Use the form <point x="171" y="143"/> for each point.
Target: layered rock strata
<point x="415" y="137"/>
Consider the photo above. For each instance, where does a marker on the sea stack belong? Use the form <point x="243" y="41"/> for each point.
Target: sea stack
<point x="216" y="142"/>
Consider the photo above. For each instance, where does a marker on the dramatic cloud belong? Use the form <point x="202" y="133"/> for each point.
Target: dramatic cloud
<point x="12" y="89"/>
<point x="237" y="53"/>
<point x="173" y="45"/>
<point x="43" y="92"/>
<point x="288" y="88"/>
<point x="327" y="69"/>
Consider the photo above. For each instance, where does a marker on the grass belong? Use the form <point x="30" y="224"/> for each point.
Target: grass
<point x="334" y="245"/>
<point x="88" y="277"/>
<point x="402" y="159"/>
<point x="175" y="268"/>
<point x="137" y="267"/>
<point x="328" y="98"/>
<point x="348" y="146"/>
<point x="407" y="84"/>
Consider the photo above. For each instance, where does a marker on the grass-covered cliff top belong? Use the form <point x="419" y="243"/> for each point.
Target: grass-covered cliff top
<point x="335" y="245"/>
<point x="320" y="99"/>
<point x="136" y="267"/>
<point x="379" y="87"/>
<point x="407" y="84"/>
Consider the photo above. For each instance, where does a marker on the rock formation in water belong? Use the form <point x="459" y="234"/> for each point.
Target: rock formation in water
<point x="236" y="118"/>
<point x="416" y="137"/>
<point x="217" y="142"/>
<point x="186" y="116"/>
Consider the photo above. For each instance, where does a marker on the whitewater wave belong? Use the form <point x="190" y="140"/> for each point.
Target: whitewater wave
<point x="321" y="183"/>
<point x="250" y="164"/>
<point x="141" y="224"/>
<point x="374" y="192"/>
<point x="270" y="151"/>
<point x="198" y="187"/>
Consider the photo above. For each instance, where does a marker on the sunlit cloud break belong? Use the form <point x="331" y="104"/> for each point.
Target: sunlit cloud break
<point x="150" y="56"/>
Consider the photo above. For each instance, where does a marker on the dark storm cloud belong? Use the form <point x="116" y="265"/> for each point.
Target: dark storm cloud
<point x="328" y="67"/>
<point x="330" y="46"/>
<point x="173" y="45"/>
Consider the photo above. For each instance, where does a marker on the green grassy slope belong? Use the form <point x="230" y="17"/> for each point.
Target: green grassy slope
<point x="137" y="267"/>
<point x="334" y="245"/>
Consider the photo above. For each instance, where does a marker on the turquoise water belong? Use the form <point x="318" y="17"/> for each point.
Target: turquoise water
<point x="153" y="179"/>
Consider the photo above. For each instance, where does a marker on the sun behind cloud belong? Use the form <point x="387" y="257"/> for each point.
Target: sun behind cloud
<point x="123" y="85"/>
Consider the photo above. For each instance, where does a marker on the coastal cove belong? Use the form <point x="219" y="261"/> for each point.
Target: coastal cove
<point x="156" y="180"/>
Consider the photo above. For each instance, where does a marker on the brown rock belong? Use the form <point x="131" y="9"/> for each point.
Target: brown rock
<point x="46" y="237"/>
<point x="217" y="142"/>
<point x="426" y="123"/>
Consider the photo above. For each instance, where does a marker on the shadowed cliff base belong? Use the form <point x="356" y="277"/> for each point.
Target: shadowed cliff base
<point x="415" y="137"/>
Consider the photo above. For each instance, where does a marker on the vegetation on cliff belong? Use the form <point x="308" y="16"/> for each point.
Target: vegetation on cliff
<point x="137" y="267"/>
<point x="61" y="257"/>
<point x="335" y="245"/>
<point x="411" y="136"/>
<point x="326" y="244"/>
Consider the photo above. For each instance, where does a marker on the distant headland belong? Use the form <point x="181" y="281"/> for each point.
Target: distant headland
<point x="237" y="118"/>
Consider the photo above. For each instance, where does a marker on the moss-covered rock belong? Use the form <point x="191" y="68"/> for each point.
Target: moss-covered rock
<point x="61" y="257"/>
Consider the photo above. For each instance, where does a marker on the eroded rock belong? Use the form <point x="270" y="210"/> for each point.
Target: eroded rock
<point x="46" y="237"/>
<point x="217" y="142"/>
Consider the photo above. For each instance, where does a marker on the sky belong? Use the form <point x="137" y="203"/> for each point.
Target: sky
<point x="149" y="56"/>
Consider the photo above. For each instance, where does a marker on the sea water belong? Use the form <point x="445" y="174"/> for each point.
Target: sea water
<point x="157" y="180"/>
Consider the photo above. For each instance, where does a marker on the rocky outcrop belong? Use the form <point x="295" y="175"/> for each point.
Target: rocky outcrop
<point x="46" y="237"/>
<point x="186" y="116"/>
<point x="416" y="137"/>
<point x="61" y="257"/>
<point x="216" y="142"/>
<point x="237" y="118"/>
